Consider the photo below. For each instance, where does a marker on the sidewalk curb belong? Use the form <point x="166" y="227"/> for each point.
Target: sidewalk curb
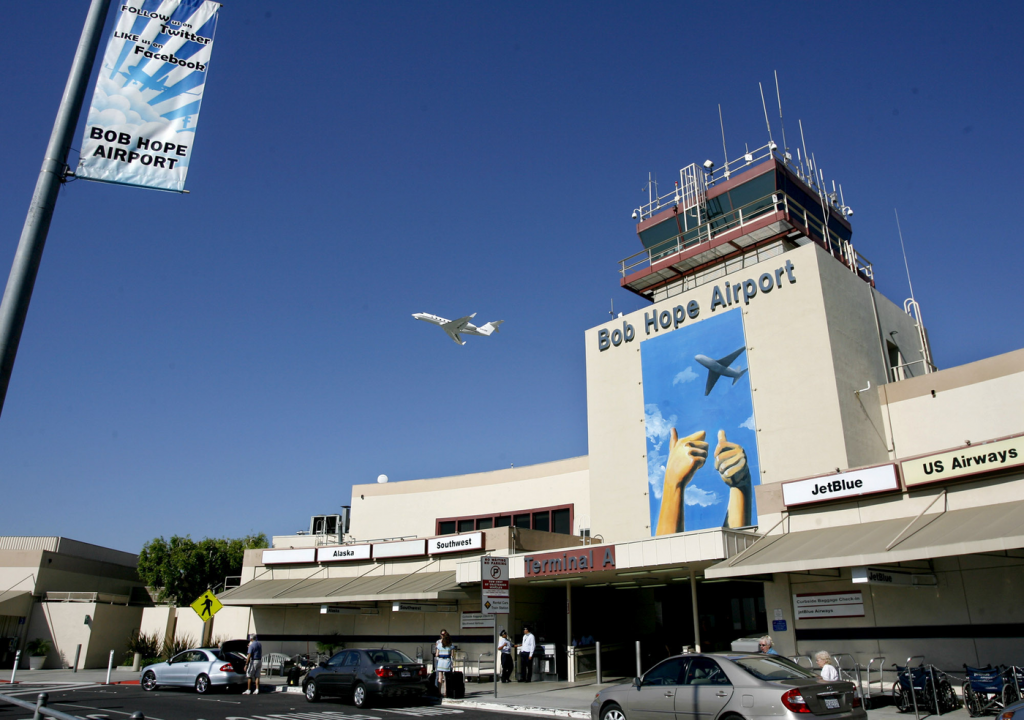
<point x="527" y="709"/>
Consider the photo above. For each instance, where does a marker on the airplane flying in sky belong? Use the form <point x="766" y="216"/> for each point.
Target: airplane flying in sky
<point x="462" y="326"/>
<point x="720" y="367"/>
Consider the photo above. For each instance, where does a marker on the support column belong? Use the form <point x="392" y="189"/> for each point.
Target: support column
<point x="696" y="614"/>
<point x="568" y="616"/>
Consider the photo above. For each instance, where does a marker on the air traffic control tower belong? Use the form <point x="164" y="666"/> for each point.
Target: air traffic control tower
<point x="718" y="220"/>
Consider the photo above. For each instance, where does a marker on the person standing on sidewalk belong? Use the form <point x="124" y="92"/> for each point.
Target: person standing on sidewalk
<point x="253" y="664"/>
<point x="443" y="650"/>
<point x="526" y="650"/>
<point x="505" y="651"/>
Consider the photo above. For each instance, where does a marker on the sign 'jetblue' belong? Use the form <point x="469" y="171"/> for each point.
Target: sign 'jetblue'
<point x="142" y="120"/>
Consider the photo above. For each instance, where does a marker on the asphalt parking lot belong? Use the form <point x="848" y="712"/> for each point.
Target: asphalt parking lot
<point x="118" y="702"/>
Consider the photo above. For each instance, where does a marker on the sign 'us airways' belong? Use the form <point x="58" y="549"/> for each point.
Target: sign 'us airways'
<point x="144" y="110"/>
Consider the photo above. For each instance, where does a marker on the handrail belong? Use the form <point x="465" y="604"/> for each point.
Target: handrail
<point x="775" y="201"/>
<point x="41" y="710"/>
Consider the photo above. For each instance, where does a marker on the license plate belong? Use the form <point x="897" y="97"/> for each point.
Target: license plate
<point x="409" y="674"/>
<point x="831" y="704"/>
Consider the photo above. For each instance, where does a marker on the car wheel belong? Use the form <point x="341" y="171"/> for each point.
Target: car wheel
<point x="203" y="684"/>
<point x="612" y="712"/>
<point x="360" y="698"/>
<point x="311" y="691"/>
<point x="148" y="681"/>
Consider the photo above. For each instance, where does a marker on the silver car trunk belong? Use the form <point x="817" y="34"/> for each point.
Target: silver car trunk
<point x="823" y="698"/>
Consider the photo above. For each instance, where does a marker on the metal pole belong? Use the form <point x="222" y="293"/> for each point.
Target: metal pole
<point x="17" y="661"/>
<point x="110" y="666"/>
<point x="78" y="653"/>
<point x="14" y="307"/>
<point x="497" y="656"/>
<point x="639" y="672"/>
<point x="696" y="615"/>
<point x="40" y="703"/>
<point x="597" y="654"/>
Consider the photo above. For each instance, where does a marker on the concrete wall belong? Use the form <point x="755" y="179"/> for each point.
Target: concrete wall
<point x="972" y="592"/>
<point x="64" y="625"/>
<point x="411" y="508"/>
<point x="979" y="401"/>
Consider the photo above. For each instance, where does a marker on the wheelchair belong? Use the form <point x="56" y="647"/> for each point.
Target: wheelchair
<point x="917" y="687"/>
<point x="991" y="688"/>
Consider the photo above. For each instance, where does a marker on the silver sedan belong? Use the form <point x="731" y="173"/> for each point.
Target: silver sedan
<point x="731" y="686"/>
<point x="202" y="669"/>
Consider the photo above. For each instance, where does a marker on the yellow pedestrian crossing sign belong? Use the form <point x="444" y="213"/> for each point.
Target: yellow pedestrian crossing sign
<point x="206" y="605"/>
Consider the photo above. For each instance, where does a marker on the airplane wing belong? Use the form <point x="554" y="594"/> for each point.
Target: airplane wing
<point x="712" y="379"/>
<point x="454" y="336"/>
<point x="457" y="325"/>
<point x="727" y="360"/>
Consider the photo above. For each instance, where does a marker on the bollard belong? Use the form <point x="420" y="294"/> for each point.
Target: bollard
<point x="137" y="662"/>
<point x="17" y="661"/>
<point x="597" y="654"/>
<point x="78" y="652"/>
<point x="110" y="666"/>
<point x="638" y="671"/>
<point x="40" y="703"/>
<point x="137" y="715"/>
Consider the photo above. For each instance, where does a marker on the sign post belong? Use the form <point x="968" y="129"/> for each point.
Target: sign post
<point x="494" y="598"/>
<point x="206" y="606"/>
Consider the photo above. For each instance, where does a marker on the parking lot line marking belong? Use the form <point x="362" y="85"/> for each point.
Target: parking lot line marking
<point x="105" y="710"/>
<point x="229" y="702"/>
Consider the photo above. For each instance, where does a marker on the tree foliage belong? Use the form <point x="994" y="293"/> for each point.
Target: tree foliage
<point x="182" y="569"/>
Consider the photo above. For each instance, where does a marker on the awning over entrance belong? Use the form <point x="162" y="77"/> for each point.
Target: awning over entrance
<point x="990" y="528"/>
<point x="414" y="586"/>
<point x="16" y="603"/>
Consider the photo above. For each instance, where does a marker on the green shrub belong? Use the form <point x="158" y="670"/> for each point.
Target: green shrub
<point x="38" y="647"/>
<point x="146" y="645"/>
<point x="175" y="645"/>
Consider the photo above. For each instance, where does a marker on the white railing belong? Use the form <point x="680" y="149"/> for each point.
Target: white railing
<point x="729" y="222"/>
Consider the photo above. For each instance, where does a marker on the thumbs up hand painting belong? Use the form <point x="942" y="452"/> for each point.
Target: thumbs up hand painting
<point x="731" y="462"/>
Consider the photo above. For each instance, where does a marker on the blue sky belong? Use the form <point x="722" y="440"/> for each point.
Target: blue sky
<point x="232" y="360"/>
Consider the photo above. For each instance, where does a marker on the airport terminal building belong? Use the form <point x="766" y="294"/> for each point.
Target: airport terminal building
<point x="771" y="449"/>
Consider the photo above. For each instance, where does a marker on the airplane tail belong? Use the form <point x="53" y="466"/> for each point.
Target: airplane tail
<point x="741" y="374"/>
<point x="491" y="327"/>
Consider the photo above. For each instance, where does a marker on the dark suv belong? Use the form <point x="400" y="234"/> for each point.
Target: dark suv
<point x="366" y="673"/>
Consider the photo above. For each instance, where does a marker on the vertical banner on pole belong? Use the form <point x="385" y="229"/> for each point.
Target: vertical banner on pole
<point x="144" y="110"/>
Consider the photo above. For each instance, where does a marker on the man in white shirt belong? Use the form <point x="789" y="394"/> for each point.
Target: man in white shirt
<point x="505" y="650"/>
<point x="526" y="650"/>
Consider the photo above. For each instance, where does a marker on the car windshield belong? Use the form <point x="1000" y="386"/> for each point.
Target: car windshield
<point x="383" y="657"/>
<point x="771" y="667"/>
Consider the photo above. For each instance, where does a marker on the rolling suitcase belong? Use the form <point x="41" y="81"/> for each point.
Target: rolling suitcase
<point x="454" y="685"/>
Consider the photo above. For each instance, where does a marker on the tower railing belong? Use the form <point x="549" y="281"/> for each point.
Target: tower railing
<point x="774" y="203"/>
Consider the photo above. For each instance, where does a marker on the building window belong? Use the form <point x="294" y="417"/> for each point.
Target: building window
<point x="542" y="521"/>
<point x="561" y="521"/>
<point x="557" y="519"/>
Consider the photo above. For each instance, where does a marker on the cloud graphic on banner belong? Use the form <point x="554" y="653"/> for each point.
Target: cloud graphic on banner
<point x="748" y="423"/>
<point x="658" y="430"/>
<point x="685" y="376"/>
<point x="693" y="495"/>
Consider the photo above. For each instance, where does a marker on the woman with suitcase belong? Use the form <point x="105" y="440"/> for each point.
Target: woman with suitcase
<point x="443" y="650"/>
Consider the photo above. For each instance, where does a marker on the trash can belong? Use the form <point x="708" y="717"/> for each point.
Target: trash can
<point x="549" y="669"/>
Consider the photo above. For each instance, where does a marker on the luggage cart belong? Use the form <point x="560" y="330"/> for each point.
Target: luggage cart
<point x="871" y="698"/>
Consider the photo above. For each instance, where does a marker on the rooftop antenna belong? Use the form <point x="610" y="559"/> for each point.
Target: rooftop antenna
<point x="904" y="249"/>
<point x="764" y="107"/>
<point x="778" y="96"/>
<point x="726" y="152"/>
<point x="806" y="156"/>
<point x="612" y="311"/>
